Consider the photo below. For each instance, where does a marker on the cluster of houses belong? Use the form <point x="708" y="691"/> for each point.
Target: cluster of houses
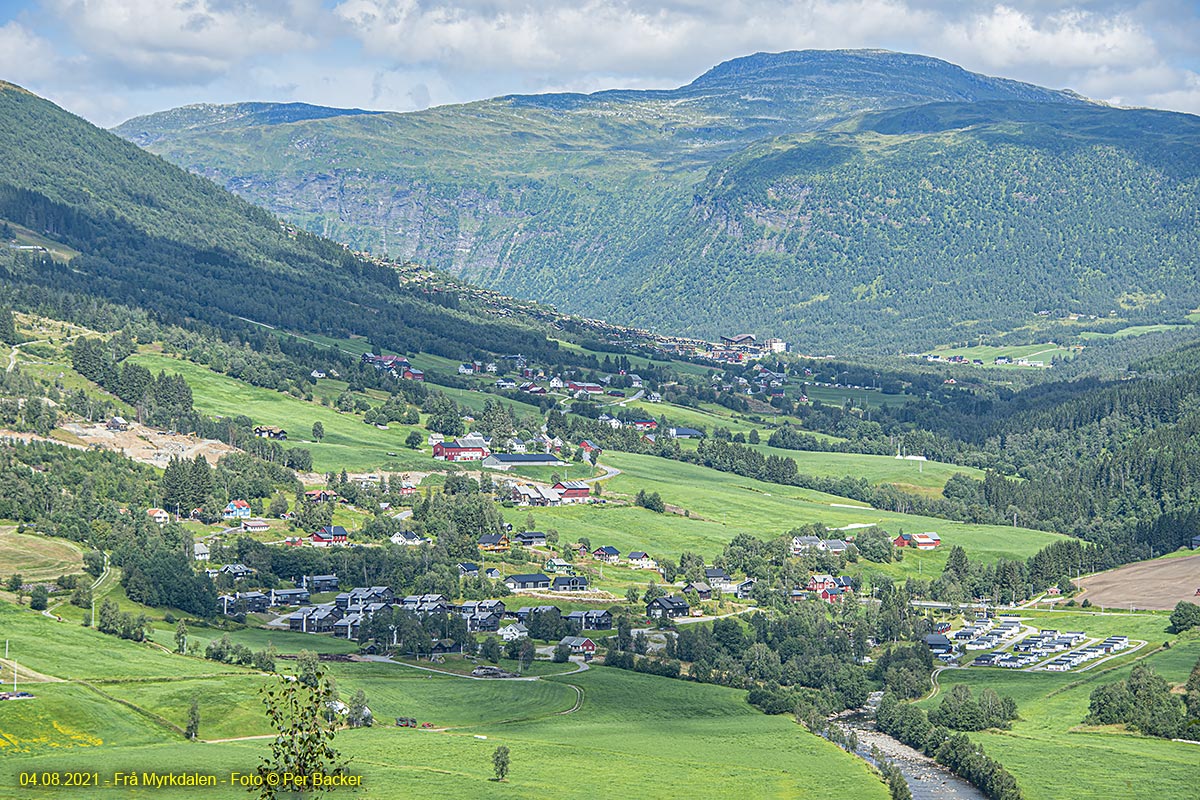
<point x="536" y="382"/>
<point x="828" y="588"/>
<point x="716" y="579"/>
<point x="539" y="581"/>
<point x="921" y="541"/>
<point x="476" y="447"/>
<point x="802" y="545"/>
<point x="1073" y="659"/>
<point x="739" y="348"/>
<point x="986" y="634"/>
<point x="1031" y="649"/>
<point x="477" y="367"/>
<point x="344" y="616"/>
<point x="561" y="493"/>
<point x="396" y="366"/>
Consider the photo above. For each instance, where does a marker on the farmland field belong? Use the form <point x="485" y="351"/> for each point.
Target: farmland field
<point x="1157" y="584"/>
<point x="1044" y="352"/>
<point x="37" y="558"/>
<point x="555" y="728"/>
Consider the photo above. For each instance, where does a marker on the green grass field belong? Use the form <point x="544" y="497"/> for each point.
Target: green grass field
<point x="1044" y="352"/>
<point x="723" y="505"/>
<point x="919" y="477"/>
<point x="1133" y="330"/>
<point x="348" y="444"/>
<point x="1049" y="751"/>
<point x="555" y="727"/>
<point x="37" y="558"/>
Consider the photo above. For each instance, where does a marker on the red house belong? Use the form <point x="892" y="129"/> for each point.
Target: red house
<point x="580" y="645"/>
<point x="413" y="374"/>
<point x="819" y="583"/>
<point x="457" y="451"/>
<point x="329" y="536"/>
<point x="833" y="595"/>
<point x="644" y="424"/>
<point x="590" y="388"/>
<point x="572" y="491"/>
<point x="589" y="447"/>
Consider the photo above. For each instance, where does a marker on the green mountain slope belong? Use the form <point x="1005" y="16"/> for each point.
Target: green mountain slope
<point x="152" y="236"/>
<point x="842" y="199"/>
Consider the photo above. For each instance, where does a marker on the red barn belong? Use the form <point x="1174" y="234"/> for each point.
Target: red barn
<point x="457" y="451"/>
<point x="572" y="491"/>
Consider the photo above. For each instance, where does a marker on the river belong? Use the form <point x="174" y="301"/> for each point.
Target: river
<point x="927" y="779"/>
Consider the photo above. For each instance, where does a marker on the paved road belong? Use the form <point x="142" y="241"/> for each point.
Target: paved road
<point x="609" y="472"/>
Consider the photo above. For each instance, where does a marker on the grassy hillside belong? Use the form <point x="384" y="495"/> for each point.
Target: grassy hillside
<point x="721" y="506"/>
<point x="837" y="199"/>
<point x="349" y="443"/>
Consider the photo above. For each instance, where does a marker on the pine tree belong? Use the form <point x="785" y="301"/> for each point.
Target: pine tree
<point x="8" y="328"/>
<point x="200" y="482"/>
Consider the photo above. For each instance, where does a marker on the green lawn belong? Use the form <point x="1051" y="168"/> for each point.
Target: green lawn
<point x="1133" y="330"/>
<point x="1048" y="748"/>
<point x="259" y="638"/>
<point x="348" y="444"/>
<point x="68" y="650"/>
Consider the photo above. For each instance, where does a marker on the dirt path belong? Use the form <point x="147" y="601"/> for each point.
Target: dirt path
<point x="16" y="348"/>
<point x="24" y="674"/>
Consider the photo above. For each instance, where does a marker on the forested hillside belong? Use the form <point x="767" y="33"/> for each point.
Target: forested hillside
<point x="842" y="200"/>
<point x="152" y="236"/>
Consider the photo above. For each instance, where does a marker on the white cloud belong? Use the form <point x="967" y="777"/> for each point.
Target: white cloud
<point x="404" y="54"/>
<point x="1071" y="39"/>
<point x="618" y="37"/>
<point x="152" y="42"/>
<point x="25" y="56"/>
<point x="1184" y="96"/>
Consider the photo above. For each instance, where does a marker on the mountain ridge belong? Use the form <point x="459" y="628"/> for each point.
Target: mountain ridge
<point x="609" y="204"/>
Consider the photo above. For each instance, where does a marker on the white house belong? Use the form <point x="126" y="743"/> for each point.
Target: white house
<point x="513" y="632"/>
<point x="255" y="525"/>
<point x="200" y="551"/>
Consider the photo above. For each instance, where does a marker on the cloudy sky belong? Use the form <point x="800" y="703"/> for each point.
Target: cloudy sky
<point x="109" y="60"/>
